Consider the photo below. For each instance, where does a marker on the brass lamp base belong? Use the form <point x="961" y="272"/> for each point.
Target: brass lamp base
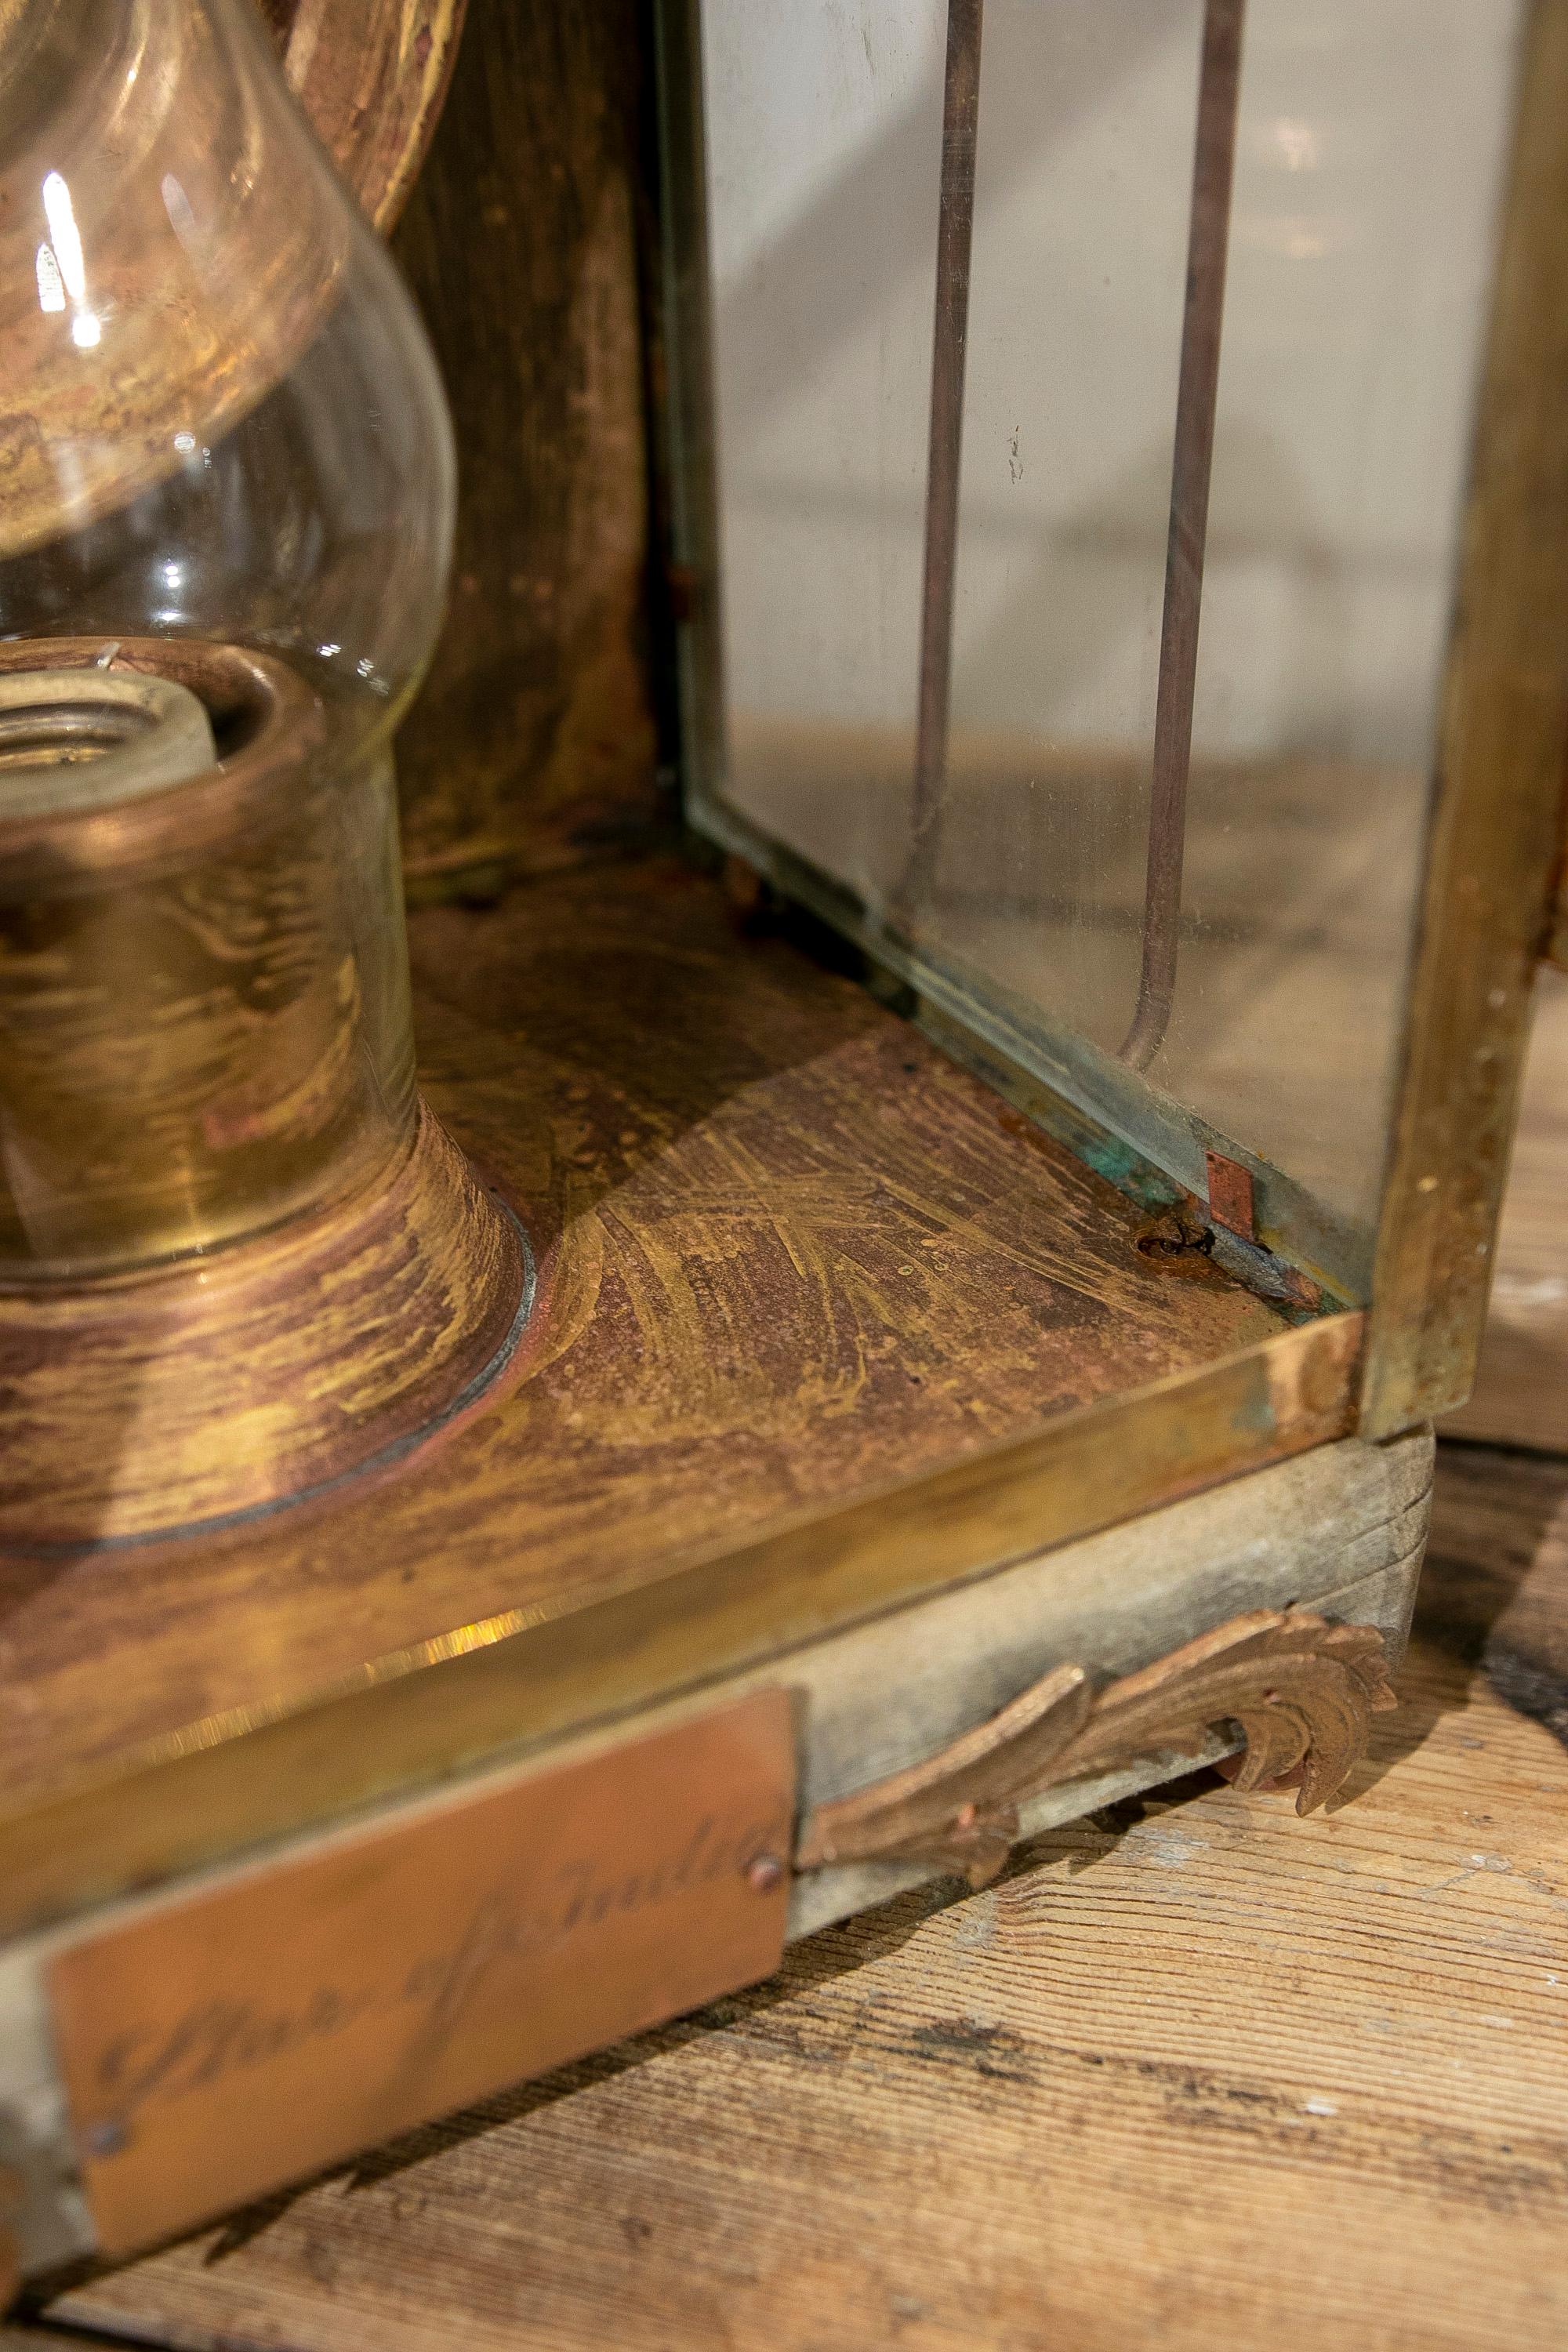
<point x="214" y="1391"/>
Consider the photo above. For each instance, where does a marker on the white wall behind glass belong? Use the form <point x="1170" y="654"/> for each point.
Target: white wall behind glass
<point x="1371" y="144"/>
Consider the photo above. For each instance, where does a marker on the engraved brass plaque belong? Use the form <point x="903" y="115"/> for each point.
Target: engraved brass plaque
<point x="234" y="2040"/>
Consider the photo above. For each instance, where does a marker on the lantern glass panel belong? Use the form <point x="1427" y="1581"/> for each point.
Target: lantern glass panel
<point x="1369" y="148"/>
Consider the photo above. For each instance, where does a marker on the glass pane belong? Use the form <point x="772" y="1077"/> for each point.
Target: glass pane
<point x="1369" y="165"/>
<point x="824" y="132"/>
<point x="1370" y="142"/>
<point x="1079" y="263"/>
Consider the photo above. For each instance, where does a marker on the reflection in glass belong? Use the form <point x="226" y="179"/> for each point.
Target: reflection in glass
<point x="1370" y="147"/>
<point x="228" y="464"/>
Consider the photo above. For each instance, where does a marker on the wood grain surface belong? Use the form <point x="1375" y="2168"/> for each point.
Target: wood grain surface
<point x="1520" y="1396"/>
<point x="1195" y="2072"/>
<point x="521" y="240"/>
<point x="789" y="1256"/>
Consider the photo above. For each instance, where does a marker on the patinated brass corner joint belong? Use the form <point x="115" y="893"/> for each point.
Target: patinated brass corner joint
<point x="1302" y="1691"/>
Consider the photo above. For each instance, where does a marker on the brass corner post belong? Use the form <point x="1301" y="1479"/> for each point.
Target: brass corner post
<point x="1497" y="804"/>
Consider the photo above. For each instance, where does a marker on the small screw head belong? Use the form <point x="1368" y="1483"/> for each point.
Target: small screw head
<point x="764" y="1873"/>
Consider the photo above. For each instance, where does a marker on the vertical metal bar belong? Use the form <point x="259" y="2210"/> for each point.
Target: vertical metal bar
<point x="1219" y="77"/>
<point x="955" y="223"/>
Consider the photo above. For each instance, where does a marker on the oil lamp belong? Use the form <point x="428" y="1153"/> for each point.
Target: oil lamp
<point x="240" y="1262"/>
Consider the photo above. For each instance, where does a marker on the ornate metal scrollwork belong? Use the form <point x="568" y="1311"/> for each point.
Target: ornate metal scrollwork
<point x="1301" y="1691"/>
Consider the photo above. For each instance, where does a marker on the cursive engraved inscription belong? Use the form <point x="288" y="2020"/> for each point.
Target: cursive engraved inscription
<point x="222" y="2044"/>
<point x="216" y="2039"/>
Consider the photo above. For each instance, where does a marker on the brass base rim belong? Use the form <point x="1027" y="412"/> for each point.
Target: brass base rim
<point x="400" y="1314"/>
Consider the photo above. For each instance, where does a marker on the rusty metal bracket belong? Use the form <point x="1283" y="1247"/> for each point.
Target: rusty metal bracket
<point x="1301" y="1691"/>
<point x="1230" y="1196"/>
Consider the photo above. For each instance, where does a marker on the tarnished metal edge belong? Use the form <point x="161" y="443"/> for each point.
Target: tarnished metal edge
<point x="950" y="337"/>
<point x="683" y="407"/>
<point x="509" y="1685"/>
<point x="1491" y="848"/>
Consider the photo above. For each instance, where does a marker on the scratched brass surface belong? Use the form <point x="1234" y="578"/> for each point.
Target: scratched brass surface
<point x="523" y="1677"/>
<point x="821" y="1323"/>
<point x="409" y="1970"/>
<point x="203" y="1391"/>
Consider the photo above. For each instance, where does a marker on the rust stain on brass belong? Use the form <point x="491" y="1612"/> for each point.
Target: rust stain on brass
<point x="233" y="2040"/>
<point x="1230" y="1195"/>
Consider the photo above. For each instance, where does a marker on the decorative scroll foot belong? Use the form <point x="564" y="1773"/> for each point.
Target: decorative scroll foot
<point x="1303" y="1693"/>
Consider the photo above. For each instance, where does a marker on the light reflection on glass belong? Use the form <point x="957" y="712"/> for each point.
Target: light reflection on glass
<point x="1371" y="148"/>
<point x="51" y="292"/>
<point x="63" y="233"/>
<point x="64" y="253"/>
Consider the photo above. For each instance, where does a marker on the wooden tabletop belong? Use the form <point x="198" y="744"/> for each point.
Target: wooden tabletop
<point x="1194" y="2073"/>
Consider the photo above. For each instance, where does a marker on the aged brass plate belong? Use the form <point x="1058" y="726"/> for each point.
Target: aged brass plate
<point x="233" y="2041"/>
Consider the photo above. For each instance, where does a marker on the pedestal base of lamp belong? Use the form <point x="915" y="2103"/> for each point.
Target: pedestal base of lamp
<point x="216" y="1392"/>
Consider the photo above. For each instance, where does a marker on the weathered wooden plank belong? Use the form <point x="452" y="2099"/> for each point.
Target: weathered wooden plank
<point x="1196" y="2071"/>
<point x="22" y="2335"/>
<point x="1497" y="1575"/>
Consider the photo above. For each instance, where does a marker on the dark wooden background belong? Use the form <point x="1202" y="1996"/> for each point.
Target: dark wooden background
<point x="534" y="741"/>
